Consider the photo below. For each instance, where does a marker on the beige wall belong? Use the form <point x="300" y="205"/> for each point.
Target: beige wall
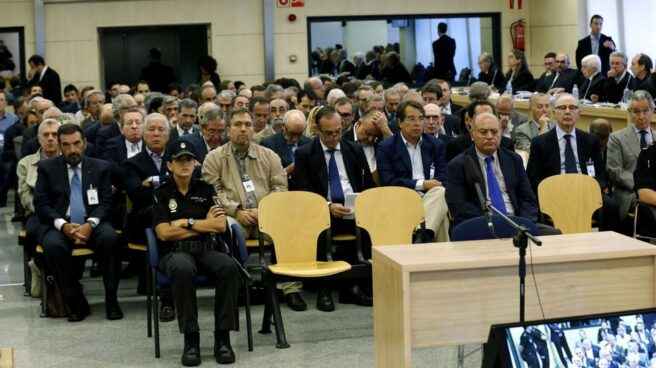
<point x="237" y="40"/>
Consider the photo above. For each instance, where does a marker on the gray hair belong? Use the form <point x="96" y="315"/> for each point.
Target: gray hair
<point x="374" y="97"/>
<point x="52" y="113"/>
<point x="561" y="95"/>
<point x="618" y="54"/>
<point x="486" y="56"/>
<point x="294" y="113"/>
<point x="391" y="91"/>
<point x="505" y="98"/>
<point x="167" y="100"/>
<point x="48" y="122"/>
<point x="119" y="103"/>
<point x="363" y="88"/>
<point x="88" y="95"/>
<point x="187" y="103"/>
<point x="130" y="110"/>
<point x="479" y="91"/>
<point x="531" y="100"/>
<point x="292" y="89"/>
<point x="226" y="94"/>
<point x="68" y="118"/>
<point x="334" y="95"/>
<point x="641" y="95"/>
<point x="211" y="115"/>
<point x="155" y="116"/>
<point x="592" y="60"/>
<point x="206" y="106"/>
<point x="273" y="88"/>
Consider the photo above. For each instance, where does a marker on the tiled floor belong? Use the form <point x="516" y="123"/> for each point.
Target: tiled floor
<point x="343" y="338"/>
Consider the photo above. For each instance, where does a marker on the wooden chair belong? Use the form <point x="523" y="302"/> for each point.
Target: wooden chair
<point x="570" y="200"/>
<point x="389" y="214"/>
<point x="294" y="220"/>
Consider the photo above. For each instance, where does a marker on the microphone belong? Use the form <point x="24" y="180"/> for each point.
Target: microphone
<point x="474" y="178"/>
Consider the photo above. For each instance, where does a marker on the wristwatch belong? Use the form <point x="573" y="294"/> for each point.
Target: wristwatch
<point x="92" y="224"/>
<point x="190" y="223"/>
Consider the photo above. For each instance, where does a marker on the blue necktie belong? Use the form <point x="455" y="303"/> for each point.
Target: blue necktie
<point x="157" y="159"/>
<point x="643" y="139"/>
<point x="335" y="185"/>
<point x="77" y="203"/>
<point x="570" y="159"/>
<point x="292" y="154"/>
<point x="493" y="189"/>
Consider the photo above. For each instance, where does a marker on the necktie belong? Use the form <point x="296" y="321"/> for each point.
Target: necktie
<point x="186" y="132"/>
<point x="643" y="139"/>
<point x="493" y="189"/>
<point x="157" y="160"/>
<point x="135" y="147"/>
<point x="76" y="201"/>
<point x="335" y="185"/>
<point x="570" y="159"/>
<point x="292" y="154"/>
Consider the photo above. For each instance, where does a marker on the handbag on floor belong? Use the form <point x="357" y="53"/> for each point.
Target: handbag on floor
<point x="35" y="284"/>
<point x="55" y="305"/>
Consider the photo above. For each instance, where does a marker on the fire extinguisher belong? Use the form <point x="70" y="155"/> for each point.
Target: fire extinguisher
<point x="517" y="34"/>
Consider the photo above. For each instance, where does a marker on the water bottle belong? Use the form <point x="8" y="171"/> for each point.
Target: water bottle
<point x="575" y="91"/>
<point x="626" y="95"/>
<point x="509" y="90"/>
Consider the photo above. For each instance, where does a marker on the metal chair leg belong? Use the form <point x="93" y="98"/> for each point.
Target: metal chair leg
<point x="156" y="317"/>
<point x="461" y="356"/>
<point x="277" y="318"/>
<point x="249" y="325"/>
<point x="149" y="296"/>
<point x="27" y="274"/>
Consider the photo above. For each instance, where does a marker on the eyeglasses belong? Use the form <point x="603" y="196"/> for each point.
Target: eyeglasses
<point x="346" y="115"/>
<point x="565" y="107"/>
<point x="414" y="119"/>
<point x="335" y="133"/>
<point x="432" y="117"/>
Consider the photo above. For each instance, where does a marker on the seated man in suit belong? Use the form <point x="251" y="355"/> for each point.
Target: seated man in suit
<point x="618" y="79"/>
<point x="212" y="129"/>
<point x="538" y="106"/>
<point x="369" y="131"/>
<point x="504" y="181"/>
<point x="286" y="142"/>
<point x="186" y="120"/>
<point x="433" y="123"/>
<point x="624" y="146"/>
<point x="447" y="107"/>
<point x="564" y="79"/>
<point x="541" y="84"/>
<point x="595" y="82"/>
<point x="75" y="209"/>
<point x="490" y="73"/>
<point x="392" y="100"/>
<point x="27" y="175"/>
<point x="334" y="167"/>
<point x="509" y="118"/>
<point x="417" y="161"/>
<point x="120" y="105"/>
<point x="565" y="150"/>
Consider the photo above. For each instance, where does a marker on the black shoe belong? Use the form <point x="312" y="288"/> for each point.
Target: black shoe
<point x="222" y="348"/>
<point x="325" y="301"/>
<point x="191" y="352"/>
<point x="18" y="217"/>
<point x="113" y="310"/>
<point x="295" y="302"/>
<point x="355" y="295"/>
<point x="78" y="309"/>
<point x="426" y="236"/>
<point x="166" y="312"/>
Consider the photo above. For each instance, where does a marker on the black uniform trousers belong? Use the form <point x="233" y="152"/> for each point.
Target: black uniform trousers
<point x="57" y="249"/>
<point x="220" y="268"/>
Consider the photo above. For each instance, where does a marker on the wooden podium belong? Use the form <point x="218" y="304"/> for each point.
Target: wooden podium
<point x="450" y="293"/>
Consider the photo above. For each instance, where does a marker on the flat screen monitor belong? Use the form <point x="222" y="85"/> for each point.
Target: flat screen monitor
<point x="610" y="340"/>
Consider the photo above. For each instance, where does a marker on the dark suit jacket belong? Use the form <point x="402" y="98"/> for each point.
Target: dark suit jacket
<point x="544" y="158"/>
<point x="445" y="138"/>
<point x="104" y="134"/>
<point x="51" y="85"/>
<point x="444" y="49"/>
<point x="541" y="84"/>
<point x="158" y="76"/>
<point x="137" y="169"/>
<point x="395" y="168"/>
<point x="52" y="191"/>
<point x="463" y="200"/>
<point x="451" y="125"/>
<point x="346" y="66"/>
<point x="278" y="144"/>
<point x="584" y="48"/>
<point x="311" y="172"/>
<point x="523" y="82"/>
<point x="614" y="91"/>
<point x="594" y="87"/>
<point x="567" y="79"/>
<point x="494" y="76"/>
<point x="72" y="108"/>
<point x="460" y="144"/>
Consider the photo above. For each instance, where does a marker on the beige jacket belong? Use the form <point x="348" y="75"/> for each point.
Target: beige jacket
<point x="26" y="172"/>
<point x="262" y="166"/>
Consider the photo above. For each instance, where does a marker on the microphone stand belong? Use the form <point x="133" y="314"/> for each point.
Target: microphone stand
<point x="520" y="240"/>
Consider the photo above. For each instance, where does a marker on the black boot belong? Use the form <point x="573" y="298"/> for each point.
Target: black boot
<point x="191" y="353"/>
<point x="222" y="348"/>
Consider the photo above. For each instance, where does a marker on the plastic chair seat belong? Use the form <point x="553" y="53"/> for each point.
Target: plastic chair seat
<point x="77" y="252"/>
<point x="310" y="269"/>
<point x="137" y="246"/>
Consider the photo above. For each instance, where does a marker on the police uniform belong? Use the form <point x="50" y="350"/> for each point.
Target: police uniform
<point x="182" y="267"/>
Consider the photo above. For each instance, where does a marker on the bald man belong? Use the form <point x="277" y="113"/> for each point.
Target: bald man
<point x="285" y="142"/>
<point x="434" y="123"/>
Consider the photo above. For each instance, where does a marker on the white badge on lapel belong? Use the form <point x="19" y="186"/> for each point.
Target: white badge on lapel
<point x="591" y="168"/>
<point x="92" y="196"/>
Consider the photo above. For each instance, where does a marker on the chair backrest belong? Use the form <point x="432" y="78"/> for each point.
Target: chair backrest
<point x="153" y="254"/>
<point x="570" y="200"/>
<point x="238" y="245"/>
<point x="476" y="228"/>
<point x="389" y="214"/>
<point x="294" y="221"/>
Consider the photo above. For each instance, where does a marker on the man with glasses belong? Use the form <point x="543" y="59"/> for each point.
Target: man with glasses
<point x="345" y="109"/>
<point x="286" y="142"/>
<point x="361" y="95"/>
<point x="417" y="161"/>
<point x="334" y="167"/>
<point x="433" y="123"/>
<point x="625" y="145"/>
<point x="550" y="68"/>
<point x="565" y="150"/>
<point x="564" y="78"/>
<point x="212" y="130"/>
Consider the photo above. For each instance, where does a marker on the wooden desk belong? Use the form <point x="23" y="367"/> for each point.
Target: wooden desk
<point x="618" y="118"/>
<point x="450" y="293"/>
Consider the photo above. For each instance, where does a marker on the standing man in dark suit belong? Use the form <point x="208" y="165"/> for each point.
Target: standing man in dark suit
<point x="417" y="161"/>
<point x="444" y="49"/>
<point x="157" y="75"/>
<point x="334" y="167"/>
<point x="45" y="77"/>
<point x="73" y="197"/>
<point x="595" y="43"/>
<point x="565" y="150"/>
<point x="212" y="130"/>
<point x="504" y="182"/>
<point x="286" y="142"/>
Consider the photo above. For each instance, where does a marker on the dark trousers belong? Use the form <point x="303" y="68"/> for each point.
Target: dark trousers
<point x="33" y="233"/>
<point x="57" y="258"/>
<point x="220" y="268"/>
<point x="610" y="214"/>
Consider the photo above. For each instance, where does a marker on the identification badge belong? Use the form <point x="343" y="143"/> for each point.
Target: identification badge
<point x="591" y="168"/>
<point x="92" y="196"/>
<point x="248" y="186"/>
<point x="432" y="171"/>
